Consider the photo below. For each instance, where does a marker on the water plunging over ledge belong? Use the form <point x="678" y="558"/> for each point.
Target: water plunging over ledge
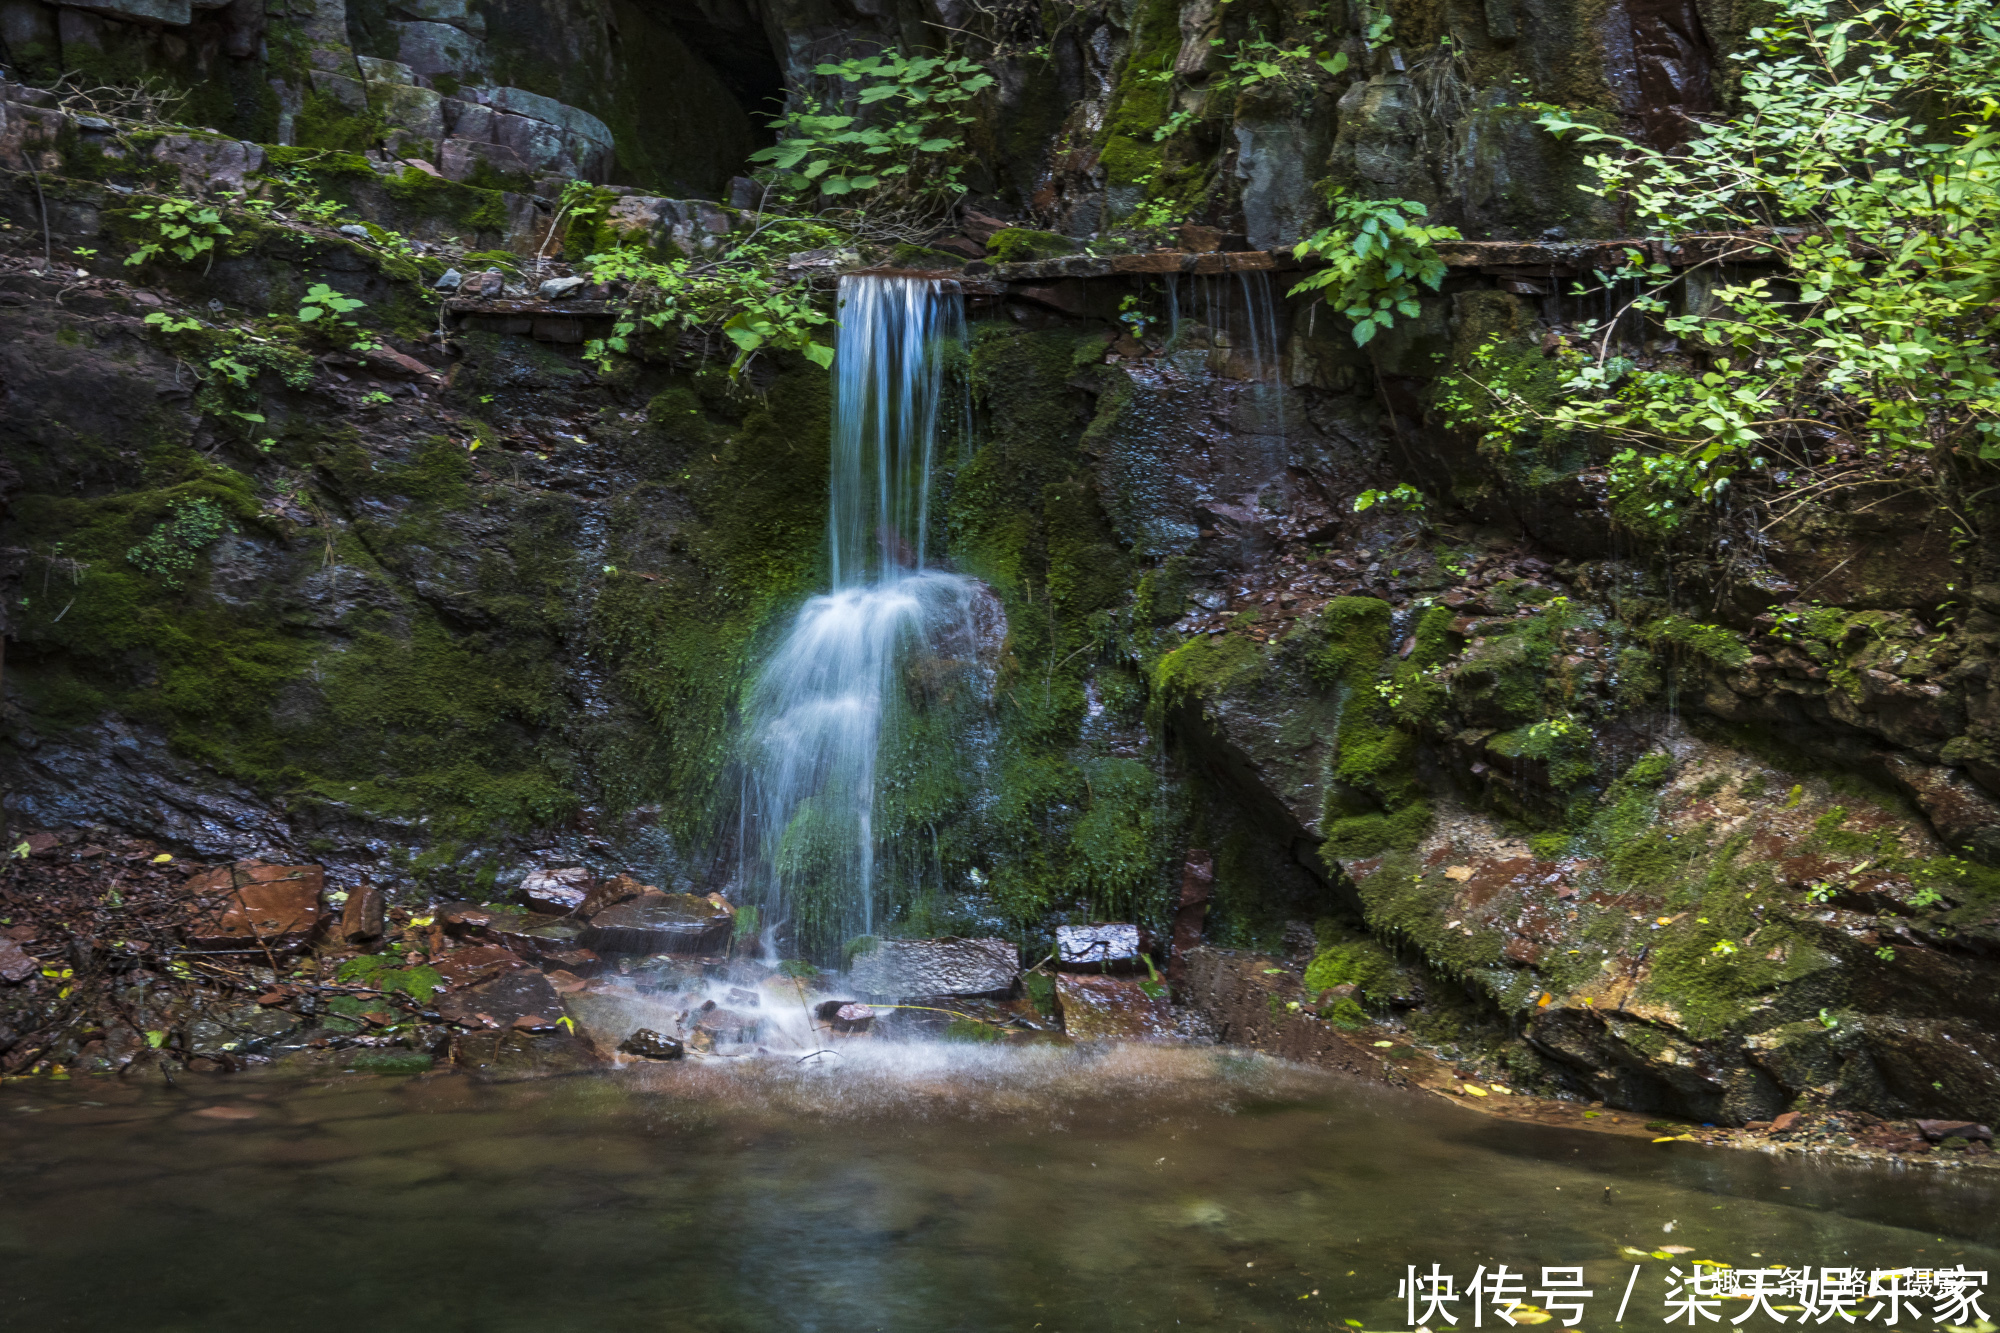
<point x="819" y="709"/>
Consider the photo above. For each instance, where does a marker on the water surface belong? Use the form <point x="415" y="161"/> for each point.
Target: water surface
<point x="927" y="1189"/>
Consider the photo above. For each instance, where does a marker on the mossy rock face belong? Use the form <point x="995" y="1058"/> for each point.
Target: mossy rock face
<point x="1015" y="244"/>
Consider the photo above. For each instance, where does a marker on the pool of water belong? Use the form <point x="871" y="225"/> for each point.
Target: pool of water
<point x="921" y="1188"/>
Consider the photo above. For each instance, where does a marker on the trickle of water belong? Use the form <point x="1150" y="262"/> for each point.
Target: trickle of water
<point x="820" y="707"/>
<point x="888" y="382"/>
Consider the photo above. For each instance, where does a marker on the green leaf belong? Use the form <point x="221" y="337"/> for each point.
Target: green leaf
<point x="819" y="354"/>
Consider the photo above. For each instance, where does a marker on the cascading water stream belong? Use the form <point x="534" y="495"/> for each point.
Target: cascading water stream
<point x="818" y="712"/>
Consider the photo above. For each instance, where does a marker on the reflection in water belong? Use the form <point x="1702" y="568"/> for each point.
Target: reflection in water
<point x="927" y="1189"/>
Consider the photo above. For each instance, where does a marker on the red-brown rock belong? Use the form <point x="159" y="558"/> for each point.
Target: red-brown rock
<point x="252" y="906"/>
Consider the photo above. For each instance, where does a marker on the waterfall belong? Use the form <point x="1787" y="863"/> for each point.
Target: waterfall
<point x="820" y="707"/>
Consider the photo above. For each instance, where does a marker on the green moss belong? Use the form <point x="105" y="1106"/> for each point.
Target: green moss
<point x="325" y="122"/>
<point x="475" y="205"/>
<point x="1345" y="958"/>
<point x="1142" y="96"/>
<point x="1713" y="642"/>
<point x="1013" y="244"/>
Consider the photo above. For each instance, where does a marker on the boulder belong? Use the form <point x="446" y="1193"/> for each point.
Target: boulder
<point x="556" y="892"/>
<point x="1104" y="948"/>
<point x="655" y="922"/>
<point x="252" y="906"/>
<point x="561" y="289"/>
<point x="1937" y="1131"/>
<point x="936" y="968"/>
<point x="1099" y="1007"/>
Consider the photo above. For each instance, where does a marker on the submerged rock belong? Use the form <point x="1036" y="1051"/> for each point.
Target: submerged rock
<point x="650" y="1045"/>
<point x="937" y="968"/>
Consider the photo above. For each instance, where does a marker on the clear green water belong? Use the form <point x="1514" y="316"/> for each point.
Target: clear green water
<point x="941" y="1190"/>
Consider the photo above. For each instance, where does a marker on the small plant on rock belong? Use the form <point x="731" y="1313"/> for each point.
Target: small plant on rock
<point x="169" y="550"/>
<point x="1378" y="259"/>
<point x="187" y="229"/>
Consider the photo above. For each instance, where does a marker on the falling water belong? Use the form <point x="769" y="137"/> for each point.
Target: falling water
<point x="821" y="706"/>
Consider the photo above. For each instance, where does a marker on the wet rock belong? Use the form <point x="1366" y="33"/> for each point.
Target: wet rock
<point x="656" y="922"/>
<point x="722" y="1024"/>
<point x="558" y="289"/>
<point x="1102" y="948"/>
<point x="617" y="889"/>
<point x="255" y="906"/>
<point x="845" y="1017"/>
<point x="486" y="285"/>
<point x="355" y="230"/>
<point x="362" y="918"/>
<point x="15" y="962"/>
<point x="1939" y="1130"/>
<point x="392" y="364"/>
<point x="1096" y="1007"/>
<point x="1191" y="915"/>
<point x="557" y="892"/>
<point x="511" y="1053"/>
<point x="450" y="282"/>
<point x="938" y="968"/>
<point x="548" y="939"/>
<point x="468" y="967"/>
<point x="519" y="997"/>
<point x="650" y="1045"/>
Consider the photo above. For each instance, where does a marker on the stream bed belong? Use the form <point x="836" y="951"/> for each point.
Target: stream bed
<point x="923" y="1188"/>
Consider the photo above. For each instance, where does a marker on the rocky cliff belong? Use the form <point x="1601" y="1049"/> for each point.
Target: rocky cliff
<point x="1694" y="819"/>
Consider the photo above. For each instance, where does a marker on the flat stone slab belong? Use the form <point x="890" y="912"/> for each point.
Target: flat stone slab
<point x="556" y="892"/>
<point x="1098" y="1008"/>
<point x="902" y="969"/>
<point x="1104" y="948"/>
<point x="656" y="922"/>
<point x="521" y="998"/>
<point x="253" y="906"/>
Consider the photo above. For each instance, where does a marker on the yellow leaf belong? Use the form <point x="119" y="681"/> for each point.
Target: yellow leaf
<point x="1664" y="921"/>
<point x="1631" y="1253"/>
<point x="1544" y="1002"/>
<point x="1668" y="1139"/>
<point x="163" y="858"/>
<point x="1527" y="1316"/>
<point x="1475" y="1090"/>
<point x="422" y="920"/>
<point x="1385" y="1043"/>
<point x="1459" y="873"/>
<point x="1504" y="1092"/>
